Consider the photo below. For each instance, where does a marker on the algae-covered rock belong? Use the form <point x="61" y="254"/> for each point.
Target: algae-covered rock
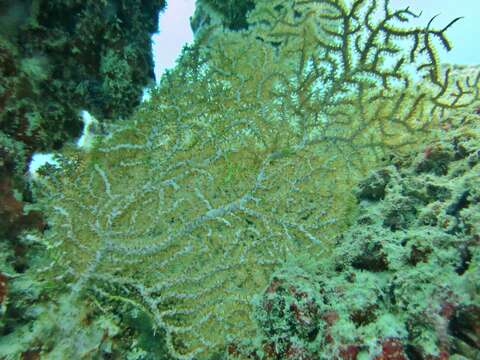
<point x="60" y="57"/>
<point x="230" y="13"/>
<point x="389" y="292"/>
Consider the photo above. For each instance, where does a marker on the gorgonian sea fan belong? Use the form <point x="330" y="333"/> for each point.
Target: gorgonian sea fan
<point x="246" y="154"/>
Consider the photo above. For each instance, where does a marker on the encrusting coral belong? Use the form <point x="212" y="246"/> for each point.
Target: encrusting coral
<point x="245" y="156"/>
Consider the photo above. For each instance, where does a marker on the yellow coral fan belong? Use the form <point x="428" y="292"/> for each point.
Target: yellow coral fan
<point x="245" y="154"/>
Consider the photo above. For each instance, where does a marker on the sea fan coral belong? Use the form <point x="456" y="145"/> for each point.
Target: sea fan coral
<point x="246" y="153"/>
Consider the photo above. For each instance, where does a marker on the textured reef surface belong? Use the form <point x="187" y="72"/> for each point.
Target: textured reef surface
<point x="402" y="281"/>
<point x="302" y="185"/>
